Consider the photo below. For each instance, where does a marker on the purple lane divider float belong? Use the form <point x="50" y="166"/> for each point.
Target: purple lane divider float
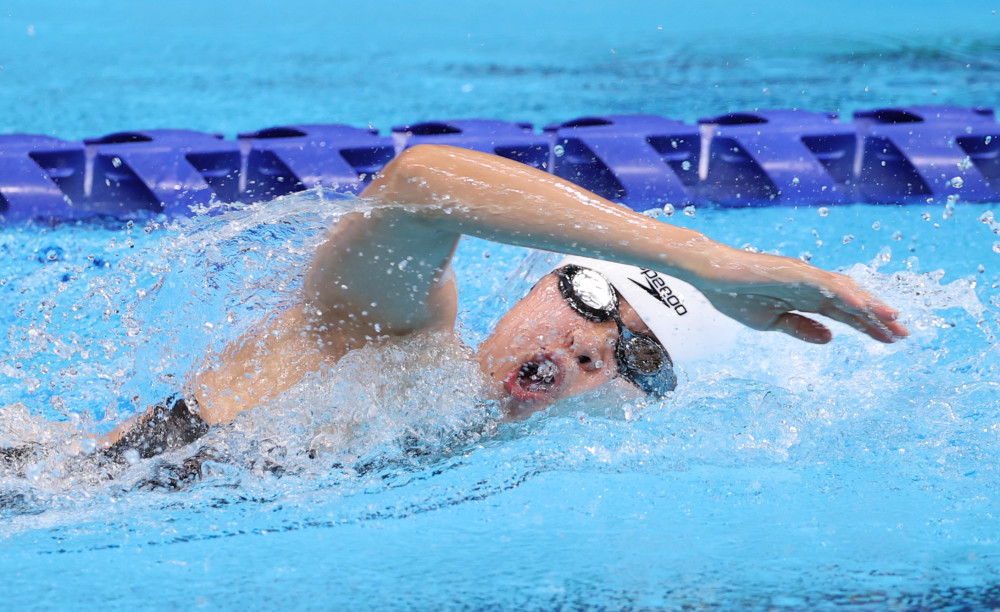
<point x="742" y="159"/>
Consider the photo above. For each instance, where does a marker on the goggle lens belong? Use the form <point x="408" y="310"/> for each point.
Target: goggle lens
<point x="641" y="358"/>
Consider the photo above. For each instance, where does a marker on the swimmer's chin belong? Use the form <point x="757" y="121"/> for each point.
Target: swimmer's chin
<point x="518" y="410"/>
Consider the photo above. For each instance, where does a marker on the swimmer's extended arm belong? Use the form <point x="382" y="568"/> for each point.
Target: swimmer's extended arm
<point x="387" y="272"/>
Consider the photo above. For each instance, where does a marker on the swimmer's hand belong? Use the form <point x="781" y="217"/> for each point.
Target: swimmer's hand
<point x="768" y="292"/>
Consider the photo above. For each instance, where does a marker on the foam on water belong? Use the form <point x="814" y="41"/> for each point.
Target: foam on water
<point x="773" y="447"/>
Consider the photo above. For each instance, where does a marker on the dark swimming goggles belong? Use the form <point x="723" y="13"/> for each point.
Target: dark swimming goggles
<point x="641" y="358"/>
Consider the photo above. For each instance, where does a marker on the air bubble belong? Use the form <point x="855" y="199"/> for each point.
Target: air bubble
<point x="668" y="210"/>
<point x="686" y="165"/>
<point x="848" y="238"/>
<point x="559" y="150"/>
<point x="876" y="226"/>
<point x="925" y="216"/>
<point x="689" y="210"/>
<point x="965" y="163"/>
<point x="805" y="256"/>
<point x="957" y="182"/>
<point x="996" y="247"/>
<point x="981" y="268"/>
<point x="823" y="211"/>
<point x="52" y="255"/>
<point x="795" y="181"/>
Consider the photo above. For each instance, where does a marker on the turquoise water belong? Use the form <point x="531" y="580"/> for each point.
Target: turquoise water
<point x="787" y="476"/>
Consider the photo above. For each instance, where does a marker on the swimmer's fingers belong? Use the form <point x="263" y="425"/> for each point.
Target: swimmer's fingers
<point x="803" y="328"/>
<point x="865" y="313"/>
<point x="809" y="330"/>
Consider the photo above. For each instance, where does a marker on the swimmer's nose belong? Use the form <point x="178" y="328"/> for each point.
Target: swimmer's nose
<point x="593" y="346"/>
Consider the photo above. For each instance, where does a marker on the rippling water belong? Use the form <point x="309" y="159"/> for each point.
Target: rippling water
<point x="784" y="474"/>
<point x="854" y="475"/>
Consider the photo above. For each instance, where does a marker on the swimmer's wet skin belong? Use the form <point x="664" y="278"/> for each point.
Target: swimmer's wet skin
<point x="542" y="350"/>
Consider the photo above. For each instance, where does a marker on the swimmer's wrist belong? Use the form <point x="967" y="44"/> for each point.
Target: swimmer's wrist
<point x="696" y="259"/>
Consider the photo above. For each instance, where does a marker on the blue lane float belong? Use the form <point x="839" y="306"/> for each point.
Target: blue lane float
<point x="922" y="153"/>
<point x="513" y="140"/>
<point x="740" y="159"/>
<point x="40" y="176"/>
<point x="282" y="160"/>
<point x="778" y="157"/>
<point x="642" y="160"/>
<point x="160" y="170"/>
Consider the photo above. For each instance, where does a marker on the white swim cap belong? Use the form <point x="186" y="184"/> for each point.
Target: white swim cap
<point x="680" y="317"/>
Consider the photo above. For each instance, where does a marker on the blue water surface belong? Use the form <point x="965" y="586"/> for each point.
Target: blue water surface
<point x="785" y="476"/>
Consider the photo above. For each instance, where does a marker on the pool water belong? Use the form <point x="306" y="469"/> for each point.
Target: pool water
<point x="854" y="475"/>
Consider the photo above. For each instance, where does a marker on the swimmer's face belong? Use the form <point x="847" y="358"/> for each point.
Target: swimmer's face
<point x="542" y="350"/>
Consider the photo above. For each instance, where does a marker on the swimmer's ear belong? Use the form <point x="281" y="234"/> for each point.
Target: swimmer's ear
<point x="803" y="328"/>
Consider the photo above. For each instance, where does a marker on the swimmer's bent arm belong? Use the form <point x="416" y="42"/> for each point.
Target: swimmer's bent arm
<point x="387" y="272"/>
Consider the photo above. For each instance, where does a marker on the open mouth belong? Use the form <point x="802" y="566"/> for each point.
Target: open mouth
<point x="535" y="379"/>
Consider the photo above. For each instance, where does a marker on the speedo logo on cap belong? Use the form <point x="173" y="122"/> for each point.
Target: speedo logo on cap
<point x="655" y="286"/>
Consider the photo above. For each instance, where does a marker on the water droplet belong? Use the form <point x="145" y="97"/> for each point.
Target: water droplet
<point x="686" y="165"/>
<point x="965" y="163"/>
<point x="848" y="238"/>
<point x="116" y="162"/>
<point x="689" y="210"/>
<point x="805" y="256"/>
<point x="559" y="150"/>
<point x="823" y="211"/>
<point x="52" y="255"/>
<point x="981" y="268"/>
<point x="876" y="226"/>
<point x="988" y="140"/>
<point x="957" y="182"/>
<point x="996" y="247"/>
<point x="668" y="209"/>
<point x="925" y="216"/>
<point x="795" y="181"/>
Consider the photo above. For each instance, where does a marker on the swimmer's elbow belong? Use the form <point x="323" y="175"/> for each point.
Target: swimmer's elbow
<point x="406" y="178"/>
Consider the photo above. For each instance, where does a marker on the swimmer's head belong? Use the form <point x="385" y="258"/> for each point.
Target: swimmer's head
<point x="569" y="336"/>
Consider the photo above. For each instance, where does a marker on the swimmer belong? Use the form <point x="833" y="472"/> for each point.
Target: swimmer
<point x="579" y="328"/>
